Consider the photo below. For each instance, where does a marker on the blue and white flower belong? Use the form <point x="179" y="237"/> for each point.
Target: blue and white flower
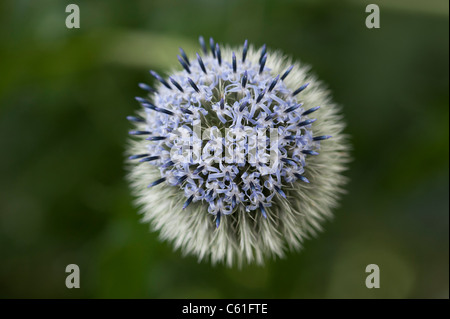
<point x="240" y="154"/>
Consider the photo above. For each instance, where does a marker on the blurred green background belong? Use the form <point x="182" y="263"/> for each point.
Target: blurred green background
<point x="64" y="96"/>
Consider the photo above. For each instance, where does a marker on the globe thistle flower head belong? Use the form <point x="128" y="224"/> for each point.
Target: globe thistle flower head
<point x="239" y="152"/>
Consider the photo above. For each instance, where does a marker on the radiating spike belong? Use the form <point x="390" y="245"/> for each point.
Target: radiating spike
<point x="156" y="138"/>
<point x="291" y="137"/>
<point x="274" y="82"/>
<point x="199" y="169"/>
<point x="177" y="85"/>
<point x="183" y="64"/>
<point x="161" y="110"/>
<point x="132" y="157"/>
<point x="147" y="87"/>
<point x="218" y="54"/>
<point x="263" y="52"/>
<point x="280" y="191"/>
<point x="222" y="103"/>
<point x="244" y="79"/>
<point x="149" y="106"/>
<point x="270" y="116"/>
<point x="321" y="138"/>
<point x="211" y="46"/>
<point x="139" y="133"/>
<point x="187" y="111"/>
<point x="311" y="110"/>
<point x="300" y="89"/>
<point x="182" y="179"/>
<point x="310" y="152"/>
<point x="285" y="74"/>
<point x="218" y="219"/>
<point x="135" y="119"/>
<point x="200" y="62"/>
<point x="263" y="210"/>
<point x="289" y="161"/>
<point x="160" y="79"/>
<point x="243" y="105"/>
<point x="168" y="164"/>
<point x="202" y="44"/>
<point x="157" y="182"/>
<point x="307" y="122"/>
<point x="301" y="177"/>
<point x="234" y="62"/>
<point x="244" y="51"/>
<point x="260" y="96"/>
<point x="185" y="58"/>
<point x="141" y="99"/>
<point x="263" y="63"/>
<point x="194" y="86"/>
<point x="149" y="159"/>
<point x="189" y="200"/>
<point x="292" y="108"/>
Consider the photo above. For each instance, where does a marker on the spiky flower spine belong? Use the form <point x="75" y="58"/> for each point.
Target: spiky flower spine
<point x="273" y="191"/>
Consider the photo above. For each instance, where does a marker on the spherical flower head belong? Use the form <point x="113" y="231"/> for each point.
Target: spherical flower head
<point x="240" y="154"/>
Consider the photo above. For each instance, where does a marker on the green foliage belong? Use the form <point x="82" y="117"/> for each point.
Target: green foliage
<point x="64" y="96"/>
